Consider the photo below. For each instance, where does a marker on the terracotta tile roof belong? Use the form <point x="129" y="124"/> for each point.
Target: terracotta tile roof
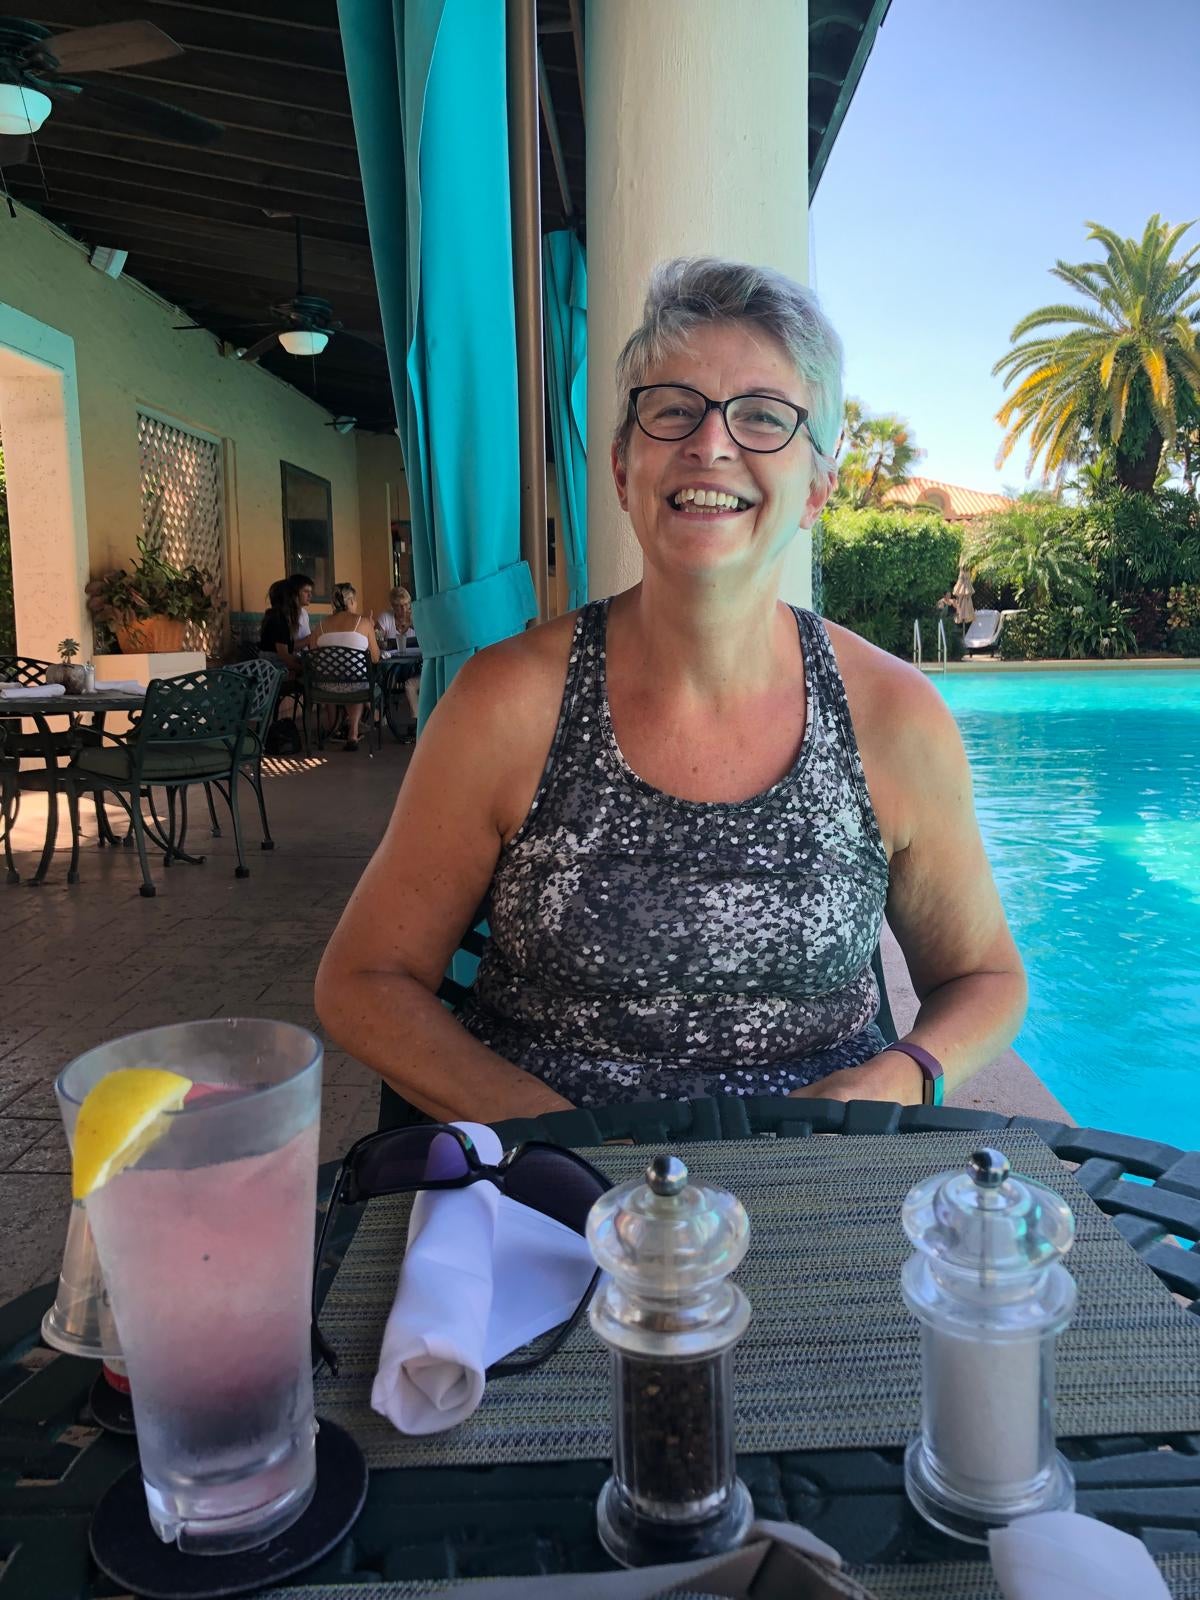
<point x="957" y="504"/>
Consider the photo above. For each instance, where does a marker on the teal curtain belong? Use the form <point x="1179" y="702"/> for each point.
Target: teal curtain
<point x="427" y="89"/>
<point x="565" y="268"/>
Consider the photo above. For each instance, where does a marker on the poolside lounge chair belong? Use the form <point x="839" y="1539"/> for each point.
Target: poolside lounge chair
<point x="984" y="632"/>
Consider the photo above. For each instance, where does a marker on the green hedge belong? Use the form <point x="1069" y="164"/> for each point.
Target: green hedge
<point x="883" y="568"/>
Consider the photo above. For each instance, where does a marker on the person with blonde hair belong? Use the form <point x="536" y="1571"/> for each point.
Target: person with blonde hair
<point x="346" y="626"/>
<point x="688" y="807"/>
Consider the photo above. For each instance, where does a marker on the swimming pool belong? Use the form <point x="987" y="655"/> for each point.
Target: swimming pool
<point x="1087" y="787"/>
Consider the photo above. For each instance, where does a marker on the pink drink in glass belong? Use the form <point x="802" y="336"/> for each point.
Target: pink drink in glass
<point x="206" y="1245"/>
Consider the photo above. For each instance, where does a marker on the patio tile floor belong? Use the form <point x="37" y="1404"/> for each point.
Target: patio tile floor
<point x="86" y="962"/>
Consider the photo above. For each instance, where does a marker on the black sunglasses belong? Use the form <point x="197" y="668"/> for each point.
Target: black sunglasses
<point x="545" y="1177"/>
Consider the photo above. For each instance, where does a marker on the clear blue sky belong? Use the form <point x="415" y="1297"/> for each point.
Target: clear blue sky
<point x="983" y="136"/>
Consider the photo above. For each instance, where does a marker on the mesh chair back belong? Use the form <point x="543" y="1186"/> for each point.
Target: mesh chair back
<point x="338" y="671"/>
<point x="264" y="677"/>
<point x="195" y="708"/>
<point x="23" y="669"/>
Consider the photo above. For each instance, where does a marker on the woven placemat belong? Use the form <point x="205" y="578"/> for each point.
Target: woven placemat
<point x="831" y="1357"/>
<point x="938" y="1580"/>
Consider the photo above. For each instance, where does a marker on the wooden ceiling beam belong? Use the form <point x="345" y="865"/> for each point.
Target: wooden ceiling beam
<point x="241" y="225"/>
<point x="225" y="32"/>
<point x="248" y="115"/>
<point x="351" y="299"/>
<point x="278" y="153"/>
<point x="98" y="175"/>
<point x="119" y="152"/>
<point x="234" y="75"/>
<point x="189" y="284"/>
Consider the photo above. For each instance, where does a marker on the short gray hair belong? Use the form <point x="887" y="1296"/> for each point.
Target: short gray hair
<point x="691" y="291"/>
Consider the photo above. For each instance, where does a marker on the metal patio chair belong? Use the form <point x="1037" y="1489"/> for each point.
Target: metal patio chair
<point x="336" y="675"/>
<point x="265" y="678"/>
<point x="192" y="731"/>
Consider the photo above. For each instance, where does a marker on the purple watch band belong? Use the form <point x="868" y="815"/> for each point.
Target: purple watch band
<point x="931" y="1071"/>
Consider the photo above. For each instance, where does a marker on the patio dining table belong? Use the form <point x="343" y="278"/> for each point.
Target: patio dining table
<point x="41" y="711"/>
<point x="449" y="1516"/>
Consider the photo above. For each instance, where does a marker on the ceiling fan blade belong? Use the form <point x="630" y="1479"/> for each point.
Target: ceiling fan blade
<point x="111" y="45"/>
<point x="139" y="111"/>
<point x="14" y="150"/>
<point x="260" y="349"/>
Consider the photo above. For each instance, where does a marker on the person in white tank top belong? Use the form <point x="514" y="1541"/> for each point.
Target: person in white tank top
<point x="346" y="627"/>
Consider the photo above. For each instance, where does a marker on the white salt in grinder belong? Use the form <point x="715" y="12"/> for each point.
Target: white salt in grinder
<point x="989" y="1289"/>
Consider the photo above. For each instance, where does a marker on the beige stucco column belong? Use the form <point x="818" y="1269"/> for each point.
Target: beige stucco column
<point x="697" y="143"/>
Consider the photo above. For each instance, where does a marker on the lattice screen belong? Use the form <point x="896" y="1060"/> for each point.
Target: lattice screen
<point x="183" y="504"/>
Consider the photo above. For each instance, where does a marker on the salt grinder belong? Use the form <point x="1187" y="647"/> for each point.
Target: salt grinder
<point x="670" y="1318"/>
<point x="989" y="1289"/>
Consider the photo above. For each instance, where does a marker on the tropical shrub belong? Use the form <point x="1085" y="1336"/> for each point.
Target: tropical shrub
<point x="1142" y="541"/>
<point x="1099" y="628"/>
<point x="882" y="569"/>
<point x="1038" y="635"/>
<point x="1183" y="619"/>
<point x="1039" y="552"/>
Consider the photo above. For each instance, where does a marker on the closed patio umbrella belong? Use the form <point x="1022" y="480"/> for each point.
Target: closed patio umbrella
<point x="428" y="92"/>
<point x="963" y="596"/>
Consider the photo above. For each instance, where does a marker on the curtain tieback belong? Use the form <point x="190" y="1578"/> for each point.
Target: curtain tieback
<point x="476" y="614"/>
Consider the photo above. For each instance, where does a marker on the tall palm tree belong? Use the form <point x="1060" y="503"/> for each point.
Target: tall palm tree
<point x="1111" y="371"/>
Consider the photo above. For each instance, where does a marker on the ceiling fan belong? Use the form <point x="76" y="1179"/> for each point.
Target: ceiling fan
<point x="308" y="320"/>
<point x="41" y="71"/>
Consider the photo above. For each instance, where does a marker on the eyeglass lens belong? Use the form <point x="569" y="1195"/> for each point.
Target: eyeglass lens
<point x="552" y="1182"/>
<point x="409" y="1159"/>
<point x="758" y="421"/>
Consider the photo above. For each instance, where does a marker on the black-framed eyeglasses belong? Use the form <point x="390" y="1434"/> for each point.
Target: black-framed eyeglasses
<point x="762" y="423"/>
<point x="546" y="1177"/>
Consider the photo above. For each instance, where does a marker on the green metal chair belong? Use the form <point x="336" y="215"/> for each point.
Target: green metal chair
<point x="193" y="730"/>
<point x="397" y="1112"/>
<point x="336" y="675"/>
<point x="265" y="678"/>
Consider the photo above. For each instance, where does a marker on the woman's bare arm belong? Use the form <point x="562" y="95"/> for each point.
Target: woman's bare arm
<point x="943" y="908"/>
<point x="377" y="982"/>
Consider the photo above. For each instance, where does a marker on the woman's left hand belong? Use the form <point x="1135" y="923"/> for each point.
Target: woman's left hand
<point x="890" y="1075"/>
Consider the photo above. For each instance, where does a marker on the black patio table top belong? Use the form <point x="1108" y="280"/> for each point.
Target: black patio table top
<point x="451" y="1522"/>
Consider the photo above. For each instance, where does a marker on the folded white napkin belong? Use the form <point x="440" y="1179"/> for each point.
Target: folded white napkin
<point x="481" y="1276"/>
<point x="1059" y="1555"/>
<point x="31" y="691"/>
<point x="119" y="686"/>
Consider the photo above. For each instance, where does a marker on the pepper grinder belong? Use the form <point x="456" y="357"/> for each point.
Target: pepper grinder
<point x="989" y="1289"/>
<point x="670" y="1318"/>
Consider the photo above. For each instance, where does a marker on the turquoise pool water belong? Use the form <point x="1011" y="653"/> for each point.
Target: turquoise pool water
<point x="1087" y="787"/>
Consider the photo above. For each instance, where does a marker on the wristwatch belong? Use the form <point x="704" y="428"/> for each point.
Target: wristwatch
<point x="931" y="1070"/>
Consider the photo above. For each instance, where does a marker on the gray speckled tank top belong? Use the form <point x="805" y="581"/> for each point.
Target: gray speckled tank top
<point x="647" y="947"/>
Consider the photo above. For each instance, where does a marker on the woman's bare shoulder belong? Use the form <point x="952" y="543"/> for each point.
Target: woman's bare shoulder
<point x="889" y="698"/>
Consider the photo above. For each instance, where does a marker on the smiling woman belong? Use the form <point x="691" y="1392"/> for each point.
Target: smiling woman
<point x="687" y="807"/>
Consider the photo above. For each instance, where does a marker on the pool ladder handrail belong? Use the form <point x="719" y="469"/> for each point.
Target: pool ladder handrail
<point x="943" y="645"/>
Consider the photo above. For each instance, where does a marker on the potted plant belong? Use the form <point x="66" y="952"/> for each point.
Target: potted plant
<point x="148" y="606"/>
<point x="72" y="678"/>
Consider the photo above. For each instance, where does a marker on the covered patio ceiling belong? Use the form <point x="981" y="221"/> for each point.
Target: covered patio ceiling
<point x="211" y="229"/>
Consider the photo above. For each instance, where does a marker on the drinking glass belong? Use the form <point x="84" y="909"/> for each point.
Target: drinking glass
<point x="206" y="1247"/>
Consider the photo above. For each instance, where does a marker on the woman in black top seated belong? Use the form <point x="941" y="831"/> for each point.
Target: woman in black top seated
<point x="277" y="635"/>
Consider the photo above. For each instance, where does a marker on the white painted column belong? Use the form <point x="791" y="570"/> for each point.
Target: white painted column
<point x="697" y="144"/>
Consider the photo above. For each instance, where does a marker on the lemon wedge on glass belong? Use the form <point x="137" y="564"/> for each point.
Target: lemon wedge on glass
<point x="120" y="1118"/>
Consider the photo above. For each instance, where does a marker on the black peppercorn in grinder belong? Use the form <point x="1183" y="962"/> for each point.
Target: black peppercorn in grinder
<point x="671" y="1318"/>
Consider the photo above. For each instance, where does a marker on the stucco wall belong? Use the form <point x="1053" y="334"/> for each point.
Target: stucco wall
<point x="128" y="357"/>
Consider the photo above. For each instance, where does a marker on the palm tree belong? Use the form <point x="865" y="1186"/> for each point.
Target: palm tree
<point x="880" y="453"/>
<point x="1114" y="370"/>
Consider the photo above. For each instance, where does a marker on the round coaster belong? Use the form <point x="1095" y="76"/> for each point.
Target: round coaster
<point x="126" y="1547"/>
<point x="112" y="1410"/>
